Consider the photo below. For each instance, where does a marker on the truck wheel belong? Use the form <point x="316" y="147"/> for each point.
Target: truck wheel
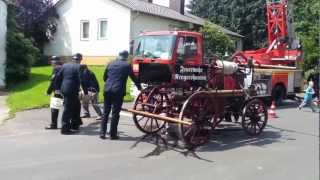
<point x="278" y="94"/>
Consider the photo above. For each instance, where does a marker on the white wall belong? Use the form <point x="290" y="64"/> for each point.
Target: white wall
<point x="143" y="22"/>
<point x="3" y="32"/>
<point x="67" y="40"/>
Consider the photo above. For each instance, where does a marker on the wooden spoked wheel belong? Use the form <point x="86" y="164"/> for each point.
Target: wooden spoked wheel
<point x="196" y="110"/>
<point x="153" y="102"/>
<point x="254" y="117"/>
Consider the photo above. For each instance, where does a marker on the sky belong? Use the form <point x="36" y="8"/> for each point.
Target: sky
<point x="166" y="2"/>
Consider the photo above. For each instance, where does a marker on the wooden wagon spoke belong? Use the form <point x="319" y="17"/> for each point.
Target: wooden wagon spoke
<point x="186" y="133"/>
<point x="247" y="118"/>
<point x="145" y="124"/>
<point x="157" y="123"/>
<point x="142" y="117"/>
<point x="258" y="124"/>
<point x="193" y="135"/>
<point x="151" y="124"/>
<point x="255" y="127"/>
<point x="248" y="125"/>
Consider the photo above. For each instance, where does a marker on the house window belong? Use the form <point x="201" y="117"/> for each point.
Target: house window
<point x="102" y="29"/>
<point x="85" y="30"/>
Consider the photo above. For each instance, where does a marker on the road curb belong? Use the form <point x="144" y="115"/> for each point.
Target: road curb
<point x="4" y="110"/>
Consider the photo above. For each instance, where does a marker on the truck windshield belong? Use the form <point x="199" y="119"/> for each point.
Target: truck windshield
<point x="159" y="46"/>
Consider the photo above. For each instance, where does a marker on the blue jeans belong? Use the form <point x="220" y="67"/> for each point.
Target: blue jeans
<point x="309" y="103"/>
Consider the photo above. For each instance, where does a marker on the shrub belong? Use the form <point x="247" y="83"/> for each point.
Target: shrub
<point x="20" y="51"/>
<point x="43" y="61"/>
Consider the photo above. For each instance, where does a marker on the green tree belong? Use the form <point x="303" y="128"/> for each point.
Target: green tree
<point x="307" y="26"/>
<point x="37" y="19"/>
<point x="215" y="41"/>
<point x="20" y="51"/>
<point x="246" y="17"/>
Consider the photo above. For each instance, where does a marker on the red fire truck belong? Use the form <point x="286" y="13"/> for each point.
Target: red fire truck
<point x="277" y="63"/>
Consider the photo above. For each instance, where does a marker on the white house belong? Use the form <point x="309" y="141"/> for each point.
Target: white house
<point x="99" y="29"/>
<point x="3" y="32"/>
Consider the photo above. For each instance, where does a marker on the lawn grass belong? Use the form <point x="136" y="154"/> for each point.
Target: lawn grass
<point x="31" y="94"/>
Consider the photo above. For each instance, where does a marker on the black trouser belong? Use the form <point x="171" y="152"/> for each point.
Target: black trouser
<point x="71" y="113"/>
<point x="114" y="101"/>
<point x="54" y="118"/>
<point x="76" y="118"/>
<point x="55" y="114"/>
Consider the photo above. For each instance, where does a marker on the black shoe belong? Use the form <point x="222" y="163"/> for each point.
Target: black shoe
<point x="67" y="132"/>
<point x="102" y="136"/>
<point x="85" y="116"/>
<point x="50" y="128"/>
<point x="114" y="137"/>
<point x="75" y="128"/>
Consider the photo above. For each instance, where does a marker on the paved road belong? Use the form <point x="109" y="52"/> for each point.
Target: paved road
<point x="288" y="149"/>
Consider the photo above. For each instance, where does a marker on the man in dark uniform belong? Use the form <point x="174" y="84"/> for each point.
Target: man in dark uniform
<point x="69" y="81"/>
<point x="90" y="81"/>
<point x="115" y="77"/>
<point x="56" y="64"/>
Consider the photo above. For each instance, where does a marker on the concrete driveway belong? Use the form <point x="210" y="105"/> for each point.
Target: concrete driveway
<point x="287" y="149"/>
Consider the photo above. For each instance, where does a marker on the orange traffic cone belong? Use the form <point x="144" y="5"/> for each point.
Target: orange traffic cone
<point x="272" y="110"/>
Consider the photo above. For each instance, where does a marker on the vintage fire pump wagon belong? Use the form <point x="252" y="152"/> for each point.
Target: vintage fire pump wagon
<point x="185" y="88"/>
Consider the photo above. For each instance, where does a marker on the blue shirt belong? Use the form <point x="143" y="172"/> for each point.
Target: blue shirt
<point x="308" y="94"/>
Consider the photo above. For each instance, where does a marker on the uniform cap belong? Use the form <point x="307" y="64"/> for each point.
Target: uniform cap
<point x="124" y="54"/>
<point x="77" y="57"/>
<point x="54" y="58"/>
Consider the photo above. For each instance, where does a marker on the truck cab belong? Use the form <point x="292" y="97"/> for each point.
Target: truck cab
<point x="157" y="53"/>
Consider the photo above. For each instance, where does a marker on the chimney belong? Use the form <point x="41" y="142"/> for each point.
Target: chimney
<point x="177" y="5"/>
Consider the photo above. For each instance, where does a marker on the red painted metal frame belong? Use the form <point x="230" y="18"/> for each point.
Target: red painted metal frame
<point x="277" y="21"/>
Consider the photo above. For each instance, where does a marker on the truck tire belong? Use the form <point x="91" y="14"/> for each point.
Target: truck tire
<point x="279" y="94"/>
